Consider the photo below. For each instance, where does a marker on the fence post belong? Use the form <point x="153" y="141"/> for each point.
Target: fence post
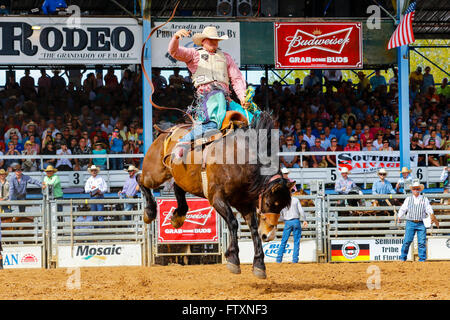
<point x="46" y="228"/>
<point x="53" y="234"/>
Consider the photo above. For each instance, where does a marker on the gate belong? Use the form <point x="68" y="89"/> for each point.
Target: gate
<point x="82" y="237"/>
<point x="23" y="234"/>
<point x="199" y="239"/>
<point x="364" y="233"/>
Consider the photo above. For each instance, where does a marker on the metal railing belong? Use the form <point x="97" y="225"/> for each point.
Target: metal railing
<point x="55" y="226"/>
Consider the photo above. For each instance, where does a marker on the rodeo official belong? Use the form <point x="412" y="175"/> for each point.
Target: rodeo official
<point x="418" y="212"/>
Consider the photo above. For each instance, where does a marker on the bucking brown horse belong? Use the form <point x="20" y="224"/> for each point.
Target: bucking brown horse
<point x="257" y="195"/>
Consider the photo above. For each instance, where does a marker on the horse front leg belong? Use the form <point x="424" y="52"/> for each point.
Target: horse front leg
<point x="232" y="253"/>
<point x="259" y="267"/>
<point x="179" y="215"/>
<point x="150" y="207"/>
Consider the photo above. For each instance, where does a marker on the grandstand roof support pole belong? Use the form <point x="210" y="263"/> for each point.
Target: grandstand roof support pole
<point x="146" y="90"/>
<point x="403" y="97"/>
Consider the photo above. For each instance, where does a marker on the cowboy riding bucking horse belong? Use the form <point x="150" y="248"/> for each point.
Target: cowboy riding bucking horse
<point x="212" y="71"/>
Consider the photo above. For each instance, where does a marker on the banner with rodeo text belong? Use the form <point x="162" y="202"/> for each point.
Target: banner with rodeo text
<point x="360" y="162"/>
<point x="35" y="40"/>
<point x="323" y="45"/>
<point x="161" y="38"/>
<point x="200" y="224"/>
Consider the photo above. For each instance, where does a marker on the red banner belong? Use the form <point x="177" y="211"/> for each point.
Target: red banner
<point x="200" y="224"/>
<point x="318" y="45"/>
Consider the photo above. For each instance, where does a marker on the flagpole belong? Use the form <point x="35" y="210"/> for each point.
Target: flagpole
<point x="403" y="96"/>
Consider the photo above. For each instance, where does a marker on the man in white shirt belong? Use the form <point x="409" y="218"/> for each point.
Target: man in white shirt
<point x="96" y="187"/>
<point x="415" y="209"/>
<point x="291" y="217"/>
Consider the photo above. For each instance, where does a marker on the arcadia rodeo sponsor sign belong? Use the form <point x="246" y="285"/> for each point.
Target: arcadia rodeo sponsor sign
<point x="360" y="162"/>
<point x="318" y="45"/>
<point x="378" y="249"/>
<point x="22" y="257"/>
<point x="54" y="40"/>
<point x="160" y="41"/>
<point x="94" y="255"/>
<point x="200" y="224"/>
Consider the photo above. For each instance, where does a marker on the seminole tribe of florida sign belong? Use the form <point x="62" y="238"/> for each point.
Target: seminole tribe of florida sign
<point x="318" y="45"/>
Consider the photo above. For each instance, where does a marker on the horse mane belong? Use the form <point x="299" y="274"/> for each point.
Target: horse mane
<point x="259" y="182"/>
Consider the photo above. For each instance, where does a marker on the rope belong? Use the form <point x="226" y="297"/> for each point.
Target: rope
<point x="144" y="71"/>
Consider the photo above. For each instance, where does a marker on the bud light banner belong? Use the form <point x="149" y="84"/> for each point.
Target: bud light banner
<point x="362" y="162"/>
<point x="318" y="45"/>
<point x="200" y="224"/>
<point x="69" y="40"/>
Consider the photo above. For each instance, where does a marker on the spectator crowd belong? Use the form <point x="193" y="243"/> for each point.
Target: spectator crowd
<point x="321" y="113"/>
<point x="51" y="117"/>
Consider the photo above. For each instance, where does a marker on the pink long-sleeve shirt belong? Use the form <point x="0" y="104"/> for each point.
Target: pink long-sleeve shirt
<point x="191" y="57"/>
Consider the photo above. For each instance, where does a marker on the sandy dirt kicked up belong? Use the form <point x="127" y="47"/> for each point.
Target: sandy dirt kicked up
<point x="410" y="280"/>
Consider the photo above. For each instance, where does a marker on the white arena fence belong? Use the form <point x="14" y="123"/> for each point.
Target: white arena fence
<point x="60" y="234"/>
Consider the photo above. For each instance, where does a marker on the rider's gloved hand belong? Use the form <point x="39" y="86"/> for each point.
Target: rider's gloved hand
<point x="182" y="33"/>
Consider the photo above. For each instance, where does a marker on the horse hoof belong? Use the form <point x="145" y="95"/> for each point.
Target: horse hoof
<point x="259" y="273"/>
<point x="147" y="218"/>
<point x="234" y="268"/>
<point x="177" y="222"/>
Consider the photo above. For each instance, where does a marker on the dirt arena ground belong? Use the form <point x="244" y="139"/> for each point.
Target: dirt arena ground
<point x="410" y="280"/>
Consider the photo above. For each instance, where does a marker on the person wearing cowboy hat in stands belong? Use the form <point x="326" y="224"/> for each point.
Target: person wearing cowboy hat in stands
<point x="344" y="184"/>
<point x="96" y="187"/>
<point x="129" y="190"/>
<point x="4" y="190"/>
<point x="416" y="209"/>
<point x="382" y="186"/>
<point x="52" y="180"/>
<point x="18" y="185"/>
<point x="285" y="173"/>
<point x="212" y="72"/>
<point x="405" y="177"/>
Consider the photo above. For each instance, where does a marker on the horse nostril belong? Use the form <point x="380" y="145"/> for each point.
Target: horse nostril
<point x="264" y="237"/>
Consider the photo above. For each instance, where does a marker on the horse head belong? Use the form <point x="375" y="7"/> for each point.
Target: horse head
<point x="275" y="197"/>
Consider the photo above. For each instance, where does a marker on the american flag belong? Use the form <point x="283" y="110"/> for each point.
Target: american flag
<point x="404" y="32"/>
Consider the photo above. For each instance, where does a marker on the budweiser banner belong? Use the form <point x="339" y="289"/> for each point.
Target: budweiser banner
<point x="161" y="38"/>
<point x="66" y="40"/>
<point x="200" y="224"/>
<point x="318" y="45"/>
<point x="360" y="162"/>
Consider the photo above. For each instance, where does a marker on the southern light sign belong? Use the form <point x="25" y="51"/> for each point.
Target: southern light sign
<point x="57" y="40"/>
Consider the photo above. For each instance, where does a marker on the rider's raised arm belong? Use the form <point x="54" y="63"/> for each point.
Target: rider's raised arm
<point x="179" y="52"/>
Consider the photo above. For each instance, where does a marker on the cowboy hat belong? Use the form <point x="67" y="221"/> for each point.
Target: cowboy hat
<point x="132" y="168"/>
<point x="94" y="167"/>
<point x="284" y="170"/>
<point x="344" y="170"/>
<point x="382" y="170"/>
<point x="208" y="33"/>
<point x="405" y="170"/>
<point x="31" y="123"/>
<point x="2" y="171"/>
<point x="50" y="168"/>
<point x="416" y="183"/>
